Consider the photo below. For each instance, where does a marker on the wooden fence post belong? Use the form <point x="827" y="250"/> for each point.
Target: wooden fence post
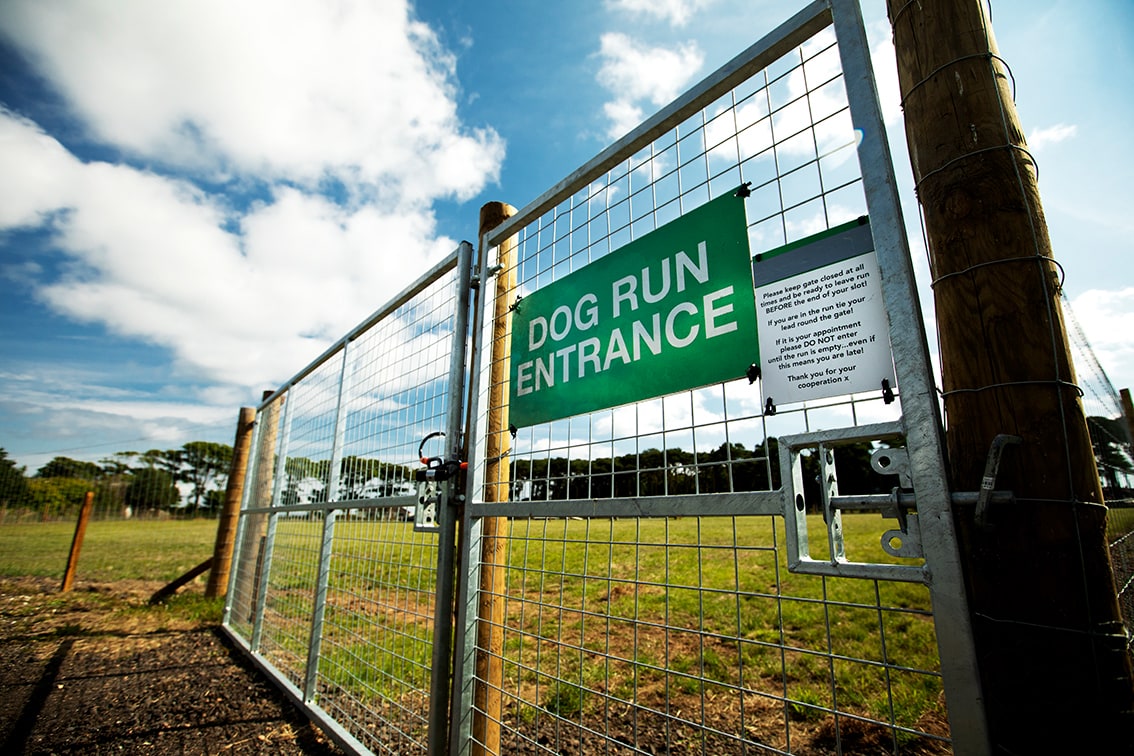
<point x="243" y="602"/>
<point x="77" y="542"/>
<point x="497" y="477"/>
<point x="233" y="492"/>
<point x="1054" y="666"/>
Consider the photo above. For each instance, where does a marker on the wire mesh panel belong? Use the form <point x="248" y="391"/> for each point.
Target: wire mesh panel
<point x="337" y="583"/>
<point x="689" y="635"/>
<point x="631" y="592"/>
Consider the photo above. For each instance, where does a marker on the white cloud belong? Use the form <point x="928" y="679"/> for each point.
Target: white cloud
<point x="624" y="116"/>
<point x="251" y="94"/>
<point x="38" y="172"/>
<point x="884" y="60"/>
<point x="634" y="73"/>
<point x="1060" y="132"/>
<point x="154" y="262"/>
<point x="676" y="12"/>
<point x="358" y="91"/>
<point x="84" y="417"/>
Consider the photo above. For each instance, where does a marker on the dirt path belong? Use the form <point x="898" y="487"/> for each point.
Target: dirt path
<point x="92" y="672"/>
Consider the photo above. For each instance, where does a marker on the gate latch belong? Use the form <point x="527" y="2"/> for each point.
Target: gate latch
<point x="436" y="468"/>
<point x="431" y="491"/>
<point x="902" y="543"/>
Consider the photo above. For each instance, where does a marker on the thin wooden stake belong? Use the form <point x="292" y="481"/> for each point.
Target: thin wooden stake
<point x="77" y="541"/>
<point x="171" y="588"/>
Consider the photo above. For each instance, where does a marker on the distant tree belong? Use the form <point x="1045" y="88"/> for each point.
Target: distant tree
<point x="65" y="467"/>
<point x="299" y="471"/>
<point x="56" y="497"/>
<point x="203" y="463"/>
<point x="13" y="485"/>
<point x="357" y="476"/>
<point x="151" y="490"/>
<point x="214" y="500"/>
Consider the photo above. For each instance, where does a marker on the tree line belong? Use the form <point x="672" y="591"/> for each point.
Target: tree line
<point x="189" y="480"/>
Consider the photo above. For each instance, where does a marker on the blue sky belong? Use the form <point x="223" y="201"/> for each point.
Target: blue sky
<point x="198" y="197"/>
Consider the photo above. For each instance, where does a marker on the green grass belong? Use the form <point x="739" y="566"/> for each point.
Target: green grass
<point x="1119" y="522"/>
<point x="711" y="601"/>
<point x="695" y="604"/>
<point x="122" y="550"/>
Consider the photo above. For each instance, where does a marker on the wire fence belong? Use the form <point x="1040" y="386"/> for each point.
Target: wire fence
<point x="338" y="580"/>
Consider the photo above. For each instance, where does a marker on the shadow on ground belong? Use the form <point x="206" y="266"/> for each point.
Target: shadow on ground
<point x="95" y="671"/>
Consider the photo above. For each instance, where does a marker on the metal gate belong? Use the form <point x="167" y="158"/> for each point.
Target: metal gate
<point x="636" y="590"/>
<point x="342" y="585"/>
<point x="703" y="571"/>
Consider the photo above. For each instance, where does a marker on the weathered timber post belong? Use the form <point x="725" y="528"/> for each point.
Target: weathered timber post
<point x="230" y="515"/>
<point x="497" y="478"/>
<point x="255" y="526"/>
<point x="77" y="542"/>
<point x="1049" y="636"/>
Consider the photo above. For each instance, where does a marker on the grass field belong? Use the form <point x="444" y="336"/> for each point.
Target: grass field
<point x="655" y="614"/>
<point x="652" y="616"/>
<point x="112" y="550"/>
<point x="1119" y="522"/>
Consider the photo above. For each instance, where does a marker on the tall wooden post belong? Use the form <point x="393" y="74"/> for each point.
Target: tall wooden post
<point x="243" y="602"/>
<point x="233" y="492"/>
<point x="1048" y="631"/>
<point x="498" y="475"/>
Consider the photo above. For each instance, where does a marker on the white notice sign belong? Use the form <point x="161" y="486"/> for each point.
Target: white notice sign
<point x="823" y="328"/>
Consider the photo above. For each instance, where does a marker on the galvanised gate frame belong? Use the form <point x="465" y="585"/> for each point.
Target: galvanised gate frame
<point x="638" y="591"/>
<point x="336" y="592"/>
<point x="610" y="630"/>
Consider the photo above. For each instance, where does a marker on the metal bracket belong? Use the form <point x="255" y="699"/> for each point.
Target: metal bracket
<point x="902" y="542"/>
<point x="991" y="468"/>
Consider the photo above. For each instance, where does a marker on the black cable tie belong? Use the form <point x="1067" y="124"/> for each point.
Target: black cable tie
<point x="743" y="190"/>
<point x="769" y="407"/>
<point x="516" y="305"/>
<point x="513" y="430"/>
<point x="887" y="392"/>
<point x="753" y="373"/>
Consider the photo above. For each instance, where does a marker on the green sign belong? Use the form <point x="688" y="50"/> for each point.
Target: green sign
<point x="671" y="311"/>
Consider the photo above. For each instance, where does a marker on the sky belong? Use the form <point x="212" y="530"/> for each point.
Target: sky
<point x="197" y="197"/>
